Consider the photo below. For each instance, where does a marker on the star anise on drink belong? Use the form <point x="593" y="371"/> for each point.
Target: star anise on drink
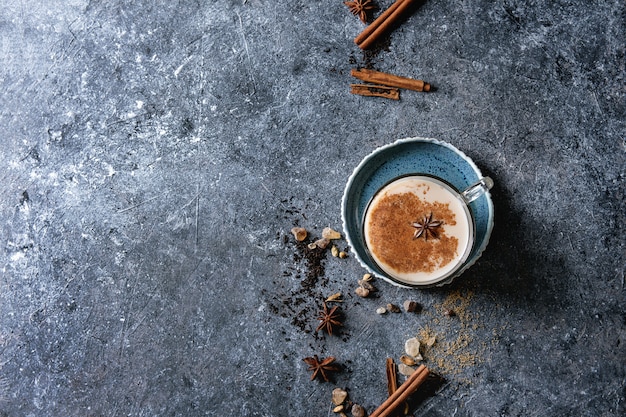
<point x="329" y="319"/>
<point x="360" y="8"/>
<point x="426" y="227"/>
<point x="321" y="367"/>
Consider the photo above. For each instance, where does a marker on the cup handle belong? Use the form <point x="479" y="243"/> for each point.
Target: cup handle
<point x="477" y="189"/>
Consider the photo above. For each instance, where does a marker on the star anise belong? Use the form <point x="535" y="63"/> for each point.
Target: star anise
<point x="321" y="368"/>
<point x="426" y="227"/>
<point x="360" y="8"/>
<point x="329" y="319"/>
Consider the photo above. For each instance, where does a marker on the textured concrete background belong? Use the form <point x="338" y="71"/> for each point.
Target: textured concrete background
<point x="156" y="154"/>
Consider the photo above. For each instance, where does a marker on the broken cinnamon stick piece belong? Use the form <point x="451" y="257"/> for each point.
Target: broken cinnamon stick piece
<point x="392" y="383"/>
<point x="370" y="90"/>
<point x="390" y="80"/>
<point x="390" y="405"/>
<point x="392" y="376"/>
<point x="383" y="23"/>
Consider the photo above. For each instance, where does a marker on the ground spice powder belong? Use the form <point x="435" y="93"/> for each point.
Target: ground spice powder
<point x="455" y="347"/>
<point x="392" y="235"/>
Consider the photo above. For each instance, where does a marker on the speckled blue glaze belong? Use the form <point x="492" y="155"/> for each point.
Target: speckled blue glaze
<point x="412" y="156"/>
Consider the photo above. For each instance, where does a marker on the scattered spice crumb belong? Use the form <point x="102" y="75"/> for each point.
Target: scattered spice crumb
<point x="339" y="395"/>
<point x="367" y="285"/>
<point x="336" y="297"/>
<point x="299" y="233"/>
<point x="405" y="369"/>
<point x="393" y="308"/>
<point x="411" y="306"/>
<point x="319" y="244"/>
<point x="362" y="292"/>
<point x="407" y="360"/>
<point x="330" y="234"/>
<point x="412" y="347"/>
<point x="358" y="411"/>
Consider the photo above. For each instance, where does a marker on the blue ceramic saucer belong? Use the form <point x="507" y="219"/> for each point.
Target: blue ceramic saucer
<point x="412" y="156"/>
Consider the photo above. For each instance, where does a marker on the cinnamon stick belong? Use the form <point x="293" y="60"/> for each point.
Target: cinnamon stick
<point x="382" y="24"/>
<point x="389" y="406"/>
<point x="376" y="23"/>
<point x="390" y="80"/>
<point x="392" y="377"/>
<point x="370" y="90"/>
<point x="392" y="383"/>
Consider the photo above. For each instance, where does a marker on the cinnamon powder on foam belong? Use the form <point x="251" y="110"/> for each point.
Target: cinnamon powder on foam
<point x="391" y="234"/>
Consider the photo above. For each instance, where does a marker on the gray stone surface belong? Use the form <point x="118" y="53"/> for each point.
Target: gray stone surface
<point x="156" y="154"/>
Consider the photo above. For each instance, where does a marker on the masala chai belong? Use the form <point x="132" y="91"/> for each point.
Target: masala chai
<point x="418" y="230"/>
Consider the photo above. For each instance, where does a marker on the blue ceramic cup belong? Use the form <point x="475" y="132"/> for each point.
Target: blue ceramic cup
<point x="431" y="160"/>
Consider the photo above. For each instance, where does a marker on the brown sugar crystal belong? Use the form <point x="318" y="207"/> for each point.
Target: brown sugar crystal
<point x="392" y="235"/>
